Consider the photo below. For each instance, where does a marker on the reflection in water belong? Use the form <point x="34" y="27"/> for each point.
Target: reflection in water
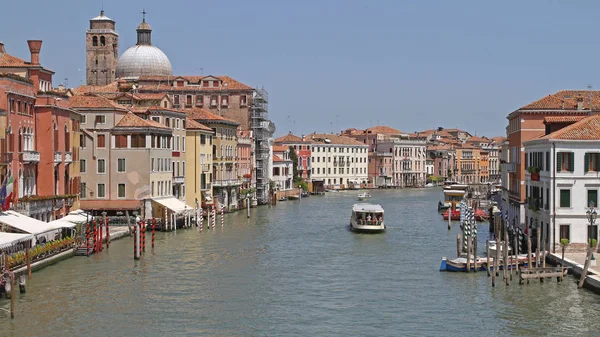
<point x="296" y="270"/>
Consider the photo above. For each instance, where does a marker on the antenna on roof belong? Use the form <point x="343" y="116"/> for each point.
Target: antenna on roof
<point x="589" y="86"/>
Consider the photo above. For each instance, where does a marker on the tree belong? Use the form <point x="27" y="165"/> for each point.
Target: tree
<point x="294" y="158"/>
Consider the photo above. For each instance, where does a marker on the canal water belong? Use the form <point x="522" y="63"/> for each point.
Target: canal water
<point x="296" y="270"/>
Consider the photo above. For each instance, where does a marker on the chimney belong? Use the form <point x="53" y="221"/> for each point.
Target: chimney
<point x="34" y="48"/>
<point x="2" y="51"/>
<point x="579" y="103"/>
<point x="302" y="137"/>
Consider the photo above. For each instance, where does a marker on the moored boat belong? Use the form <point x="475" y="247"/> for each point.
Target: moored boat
<point x="367" y="218"/>
<point x="460" y="264"/>
<point x="452" y="196"/>
<point x="480" y="215"/>
<point x="363" y="196"/>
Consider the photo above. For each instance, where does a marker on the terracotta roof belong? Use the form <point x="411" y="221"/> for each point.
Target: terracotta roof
<point x="191" y="124"/>
<point x="475" y="139"/>
<point x="384" y="129"/>
<point x="203" y="115"/>
<point x="280" y="148"/>
<point x="563" y="119"/>
<point x="499" y="139"/>
<point x="130" y="120"/>
<point x="289" y="138"/>
<point x="9" y="61"/>
<point x="333" y="138"/>
<point x="226" y="83"/>
<point x="585" y="129"/>
<point x="276" y="158"/>
<point x="439" y="147"/>
<point x="109" y="88"/>
<point x="144" y="96"/>
<point x="90" y="101"/>
<point x="109" y="204"/>
<point x="565" y="100"/>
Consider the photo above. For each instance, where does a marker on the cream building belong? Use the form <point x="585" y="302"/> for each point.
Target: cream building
<point x="283" y="172"/>
<point x="409" y="160"/>
<point x="338" y="161"/>
<point x="198" y="159"/>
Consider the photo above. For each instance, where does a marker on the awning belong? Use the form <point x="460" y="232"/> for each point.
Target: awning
<point x="61" y="223"/>
<point x="26" y="224"/>
<point x="207" y="198"/>
<point x="110" y="205"/>
<point x="76" y="217"/>
<point x="173" y="204"/>
<point x="9" y="239"/>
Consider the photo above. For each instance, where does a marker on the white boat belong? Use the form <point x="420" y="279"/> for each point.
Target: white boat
<point x="452" y="197"/>
<point x="367" y="218"/>
<point x="363" y="196"/>
<point x="493" y="248"/>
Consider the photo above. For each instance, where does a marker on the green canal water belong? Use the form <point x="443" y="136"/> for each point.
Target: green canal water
<point x="296" y="270"/>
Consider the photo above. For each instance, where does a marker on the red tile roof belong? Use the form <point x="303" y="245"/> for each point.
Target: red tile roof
<point x="144" y="96"/>
<point x="585" y="129"/>
<point x="563" y="119"/>
<point x="276" y="158"/>
<point x="289" y="138"/>
<point x="191" y="124"/>
<point x="333" y="139"/>
<point x="90" y="101"/>
<point x="109" y="88"/>
<point x="226" y="82"/>
<point x="9" y="61"/>
<point x="384" y="130"/>
<point x="130" y="120"/>
<point x="499" y="139"/>
<point x="203" y="115"/>
<point x="566" y="100"/>
<point x="476" y="139"/>
<point x="280" y="148"/>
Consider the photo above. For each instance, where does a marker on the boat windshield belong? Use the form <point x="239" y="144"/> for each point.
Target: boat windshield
<point x="369" y="218"/>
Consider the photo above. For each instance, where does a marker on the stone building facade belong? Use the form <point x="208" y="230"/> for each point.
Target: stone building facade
<point x="102" y="51"/>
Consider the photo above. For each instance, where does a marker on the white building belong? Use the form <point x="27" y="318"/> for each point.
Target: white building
<point x="283" y="172"/>
<point x="338" y="161"/>
<point x="409" y="157"/>
<point x="559" y="195"/>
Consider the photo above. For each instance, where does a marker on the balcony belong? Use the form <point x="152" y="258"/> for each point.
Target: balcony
<point x="178" y="180"/>
<point x="205" y="167"/>
<point x="57" y="157"/>
<point x="32" y="207"/>
<point x="348" y="163"/>
<point x="227" y="182"/>
<point x="244" y="140"/>
<point x="176" y="154"/>
<point x="68" y="157"/>
<point x="533" y="204"/>
<point x="30" y="157"/>
<point x="206" y="187"/>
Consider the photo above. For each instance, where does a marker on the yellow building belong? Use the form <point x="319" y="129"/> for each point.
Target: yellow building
<point x="467" y="164"/>
<point x="226" y="181"/>
<point x="198" y="162"/>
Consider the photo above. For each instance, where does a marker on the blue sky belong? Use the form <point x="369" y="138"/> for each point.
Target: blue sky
<point x="333" y="64"/>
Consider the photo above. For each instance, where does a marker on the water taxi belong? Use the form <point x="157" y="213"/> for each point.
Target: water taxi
<point x="452" y="196"/>
<point x="363" y="196"/>
<point x="367" y="218"/>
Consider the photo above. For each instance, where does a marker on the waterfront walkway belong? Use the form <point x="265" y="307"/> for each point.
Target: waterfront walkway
<point x="576" y="261"/>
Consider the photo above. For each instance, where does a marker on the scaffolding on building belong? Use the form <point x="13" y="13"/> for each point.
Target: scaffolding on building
<point x="263" y="131"/>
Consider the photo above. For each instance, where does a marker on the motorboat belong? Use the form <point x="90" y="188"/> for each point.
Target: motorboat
<point x="452" y="197"/>
<point x="363" y="196"/>
<point x="293" y="197"/>
<point x="480" y="215"/>
<point x="480" y="263"/>
<point x="367" y="218"/>
<point x="493" y="248"/>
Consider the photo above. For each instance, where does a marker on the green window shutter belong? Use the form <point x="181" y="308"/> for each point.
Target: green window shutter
<point x="597" y="162"/>
<point x="571" y="161"/>
<point x="558" y="161"/>
<point x="592" y="197"/>
<point x="565" y="198"/>
<point x="587" y="162"/>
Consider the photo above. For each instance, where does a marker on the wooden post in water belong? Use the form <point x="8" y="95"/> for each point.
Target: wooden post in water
<point x="457" y="245"/>
<point x="474" y="241"/>
<point x="469" y="254"/>
<point x="497" y="257"/>
<point x="107" y="232"/>
<point x="517" y="253"/>
<point x="543" y="257"/>
<point x="529" y="262"/>
<point x="248" y="205"/>
<point x="537" y="249"/>
<point x="153" y="226"/>
<point x="506" y="262"/>
<point x="100" y="225"/>
<point x="487" y="253"/>
<point x="588" y="258"/>
<point x="449" y="217"/>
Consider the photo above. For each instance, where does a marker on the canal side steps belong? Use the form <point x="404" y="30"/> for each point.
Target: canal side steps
<point x="83" y="251"/>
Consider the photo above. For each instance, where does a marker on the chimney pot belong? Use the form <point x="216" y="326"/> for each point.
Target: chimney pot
<point x="2" y="51"/>
<point x="34" y="48"/>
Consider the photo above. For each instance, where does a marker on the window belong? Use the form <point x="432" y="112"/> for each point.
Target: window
<point x="183" y="169"/>
<point x="121" y="191"/>
<point x="102" y="41"/>
<point x="564" y="162"/>
<point x="83" y="119"/>
<point x="100" y="119"/>
<point x="138" y="141"/>
<point x="183" y="143"/>
<point x="213" y="100"/>
<point x="592" y="162"/>
<point x="120" y="141"/>
<point x="152" y="188"/>
<point x="176" y="99"/>
<point x="205" y="84"/>
<point x="152" y="164"/>
<point x="243" y="100"/>
<point x="565" y="198"/>
<point x="82" y="167"/>
<point x="216" y="84"/>
<point x="202" y="139"/>
<point x="121" y="165"/>
<point x="565" y="232"/>
<point x="101" y="166"/>
<point x="155" y="119"/>
<point x="199" y="100"/>
<point x="224" y="100"/>
<point x="82" y="191"/>
<point x="101" y="191"/>
<point x="592" y="197"/>
<point x="188" y="100"/>
<point x="101" y="141"/>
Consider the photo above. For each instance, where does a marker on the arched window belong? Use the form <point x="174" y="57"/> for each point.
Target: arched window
<point x="67" y="139"/>
<point x="20" y="140"/>
<point x="95" y="41"/>
<point x="102" y="41"/>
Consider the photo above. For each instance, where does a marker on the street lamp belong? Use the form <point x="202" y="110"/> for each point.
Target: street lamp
<point x="591" y="216"/>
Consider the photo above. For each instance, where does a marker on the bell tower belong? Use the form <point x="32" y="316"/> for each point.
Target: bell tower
<point x="102" y="51"/>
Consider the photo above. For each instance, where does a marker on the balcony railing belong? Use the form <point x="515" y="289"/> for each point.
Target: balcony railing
<point x="68" y="157"/>
<point x="29" y="208"/>
<point x="30" y="157"/>
<point x="206" y="187"/>
<point x="178" y="180"/>
<point x="57" y="157"/>
<point x="509" y="167"/>
<point x="227" y="182"/>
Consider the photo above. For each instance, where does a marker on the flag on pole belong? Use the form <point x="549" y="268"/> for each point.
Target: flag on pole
<point x="8" y="192"/>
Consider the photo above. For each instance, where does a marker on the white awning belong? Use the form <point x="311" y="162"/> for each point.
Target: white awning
<point x="62" y="223"/>
<point x="207" y="198"/>
<point x="26" y="224"/>
<point x="9" y="239"/>
<point x="77" y="217"/>
<point x="173" y="204"/>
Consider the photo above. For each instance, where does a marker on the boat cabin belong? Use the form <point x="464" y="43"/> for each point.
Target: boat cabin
<point x="368" y="214"/>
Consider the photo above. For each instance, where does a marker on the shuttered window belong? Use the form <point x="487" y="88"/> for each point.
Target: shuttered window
<point x="565" y="232"/>
<point x="565" y="198"/>
<point x="592" y="197"/>
<point x="120" y="141"/>
<point x="565" y="162"/>
<point x="592" y="162"/>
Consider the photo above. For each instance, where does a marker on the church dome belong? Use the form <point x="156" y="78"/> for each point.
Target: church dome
<point x="143" y="59"/>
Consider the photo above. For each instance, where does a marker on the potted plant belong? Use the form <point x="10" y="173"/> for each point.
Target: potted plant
<point x="563" y="244"/>
<point x="593" y="243"/>
<point x="534" y="172"/>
